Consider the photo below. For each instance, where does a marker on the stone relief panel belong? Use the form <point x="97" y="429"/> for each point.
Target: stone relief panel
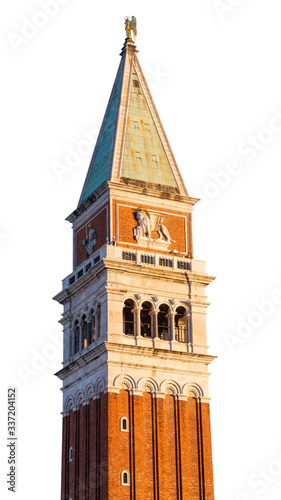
<point x="91" y="239"/>
<point x="146" y="228"/>
<point x="148" y="223"/>
<point x="91" y="236"/>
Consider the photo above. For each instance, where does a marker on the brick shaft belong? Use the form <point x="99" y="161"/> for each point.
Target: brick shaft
<point x="167" y="450"/>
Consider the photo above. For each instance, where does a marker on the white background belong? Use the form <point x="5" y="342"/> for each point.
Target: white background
<point x="214" y="71"/>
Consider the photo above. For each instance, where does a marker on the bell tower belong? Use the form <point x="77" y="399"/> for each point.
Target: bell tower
<point x="136" y="422"/>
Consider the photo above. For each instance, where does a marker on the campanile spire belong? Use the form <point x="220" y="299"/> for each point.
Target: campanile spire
<point x="132" y="146"/>
<point x="136" y="422"/>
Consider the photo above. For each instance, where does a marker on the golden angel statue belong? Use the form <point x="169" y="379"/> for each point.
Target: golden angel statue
<point x="131" y="27"/>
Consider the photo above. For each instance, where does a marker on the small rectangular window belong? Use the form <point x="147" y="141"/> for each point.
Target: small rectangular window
<point x="138" y="155"/>
<point x="72" y="280"/>
<point x="88" y="266"/>
<point x="125" y="478"/>
<point x="154" y="158"/>
<point x="183" y="265"/>
<point x="124" y="424"/>
<point x="136" y="125"/>
<point x="80" y="273"/>
<point x="129" y="256"/>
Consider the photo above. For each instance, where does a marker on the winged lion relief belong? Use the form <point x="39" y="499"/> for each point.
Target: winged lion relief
<point x="148" y="223"/>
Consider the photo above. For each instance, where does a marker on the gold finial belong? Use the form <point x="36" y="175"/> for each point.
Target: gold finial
<point x="131" y="28"/>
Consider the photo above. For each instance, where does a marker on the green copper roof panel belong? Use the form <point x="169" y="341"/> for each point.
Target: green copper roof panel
<point x="100" y="164"/>
<point x="144" y="156"/>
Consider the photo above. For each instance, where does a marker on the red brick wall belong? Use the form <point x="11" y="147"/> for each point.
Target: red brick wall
<point x="93" y="447"/>
<point x="83" y="441"/>
<point x="65" y="463"/>
<point x="167" y="451"/>
<point x="207" y="452"/>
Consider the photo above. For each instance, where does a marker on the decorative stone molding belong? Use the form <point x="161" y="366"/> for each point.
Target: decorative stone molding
<point x="89" y="391"/>
<point x="170" y="387"/>
<point x="69" y="404"/>
<point x="182" y="397"/>
<point x="193" y="391"/>
<point x="76" y="317"/>
<point x="147" y="299"/>
<point x="136" y="392"/>
<point x="94" y="389"/>
<point x="171" y="313"/>
<point x="187" y="311"/>
<point x="129" y="297"/>
<point x="90" y="314"/>
<point x="125" y="382"/>
<point x="159" y="395"/>
<point x="100" y="385"/>
<point x="114" y="390"/>
<point x="148" y="385"/>
<point x="79" y="397"/>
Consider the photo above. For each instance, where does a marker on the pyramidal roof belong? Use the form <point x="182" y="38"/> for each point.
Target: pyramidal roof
<point x="132" y="146"/>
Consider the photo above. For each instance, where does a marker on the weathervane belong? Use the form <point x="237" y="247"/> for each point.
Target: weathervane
<point x="131" y="27"/>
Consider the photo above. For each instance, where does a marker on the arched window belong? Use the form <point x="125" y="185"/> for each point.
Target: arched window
<point x="84" y="332"/>
<point x="70" y="454"/>
<point x="124" y="424"/>
<point x="145" y="317"/>
<point x="91" y="328"/>
<point x="128" y="317"/>
<point x="163" y="325"/>
<point x="76" y="337"/>
<point x="125" y="478"/>
<point x="180" y="328"/>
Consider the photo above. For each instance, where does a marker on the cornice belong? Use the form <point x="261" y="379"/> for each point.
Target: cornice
<point x="151" y="192"/>
<point x="91" y="276"/>
<point x="155" y="351"/>
<point x="114" y="265"/>
<point x="82" y="360"/>
<point x="89" y="201"/>
<point x="108" y="264"/>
